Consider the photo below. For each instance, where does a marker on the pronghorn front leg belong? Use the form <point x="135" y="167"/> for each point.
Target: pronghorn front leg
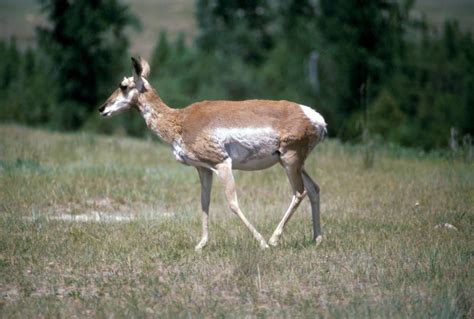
<point x="224" y="171"/>
<point x="205" y="176"/>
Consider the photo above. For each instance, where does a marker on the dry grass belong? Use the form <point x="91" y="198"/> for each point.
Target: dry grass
<point x="129" y="250"/>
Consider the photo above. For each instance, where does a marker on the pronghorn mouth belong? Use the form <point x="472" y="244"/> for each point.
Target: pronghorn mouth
<point x="105" y="113"/>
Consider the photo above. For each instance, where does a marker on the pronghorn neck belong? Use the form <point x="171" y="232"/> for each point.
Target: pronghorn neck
<point x="161" y="119"/>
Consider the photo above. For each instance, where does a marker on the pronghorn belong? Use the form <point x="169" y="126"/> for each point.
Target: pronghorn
<point x="218" y="136"/>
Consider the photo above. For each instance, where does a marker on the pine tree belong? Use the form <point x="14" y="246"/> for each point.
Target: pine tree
<point x="86" y="44"/>
<point x="362" y="39"/>
<point x="235" y="28"/>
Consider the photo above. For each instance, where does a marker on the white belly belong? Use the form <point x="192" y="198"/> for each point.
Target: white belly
<point x="249" y="148"/>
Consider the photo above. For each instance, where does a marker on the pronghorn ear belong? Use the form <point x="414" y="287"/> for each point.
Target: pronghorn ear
<point x="145" y="68"/>
<point x="137" y="74"/>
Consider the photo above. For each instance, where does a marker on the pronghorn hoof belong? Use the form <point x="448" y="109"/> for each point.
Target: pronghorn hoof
<point x="264" y="245"/>
<point x="199" y="247"/>
<point x="318" y="240"/>
<point x="273" y="241"/>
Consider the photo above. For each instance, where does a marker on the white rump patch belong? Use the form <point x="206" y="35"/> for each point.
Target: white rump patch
<point x="315" y="118"/>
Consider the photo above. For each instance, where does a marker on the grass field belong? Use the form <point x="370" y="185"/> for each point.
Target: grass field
<point x="94" y="226"/>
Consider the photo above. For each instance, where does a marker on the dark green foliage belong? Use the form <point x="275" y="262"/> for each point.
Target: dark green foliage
<point x="378" y="69"/>
<point x="384" y="114"/>
<point x="365" y="65"/>
<point x="235" y="28"/>
<point x="161" y="53"/>
<point x="360" y="40"/>
<point x="433" y="86"/>
<point x="370" y="68"/>
<point x="27" y="94"/>
<point x="80" y="56"/>
<point x="87" y="48"/>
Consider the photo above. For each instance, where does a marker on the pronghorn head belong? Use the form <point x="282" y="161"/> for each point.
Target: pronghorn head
<point x="126" y="96"/>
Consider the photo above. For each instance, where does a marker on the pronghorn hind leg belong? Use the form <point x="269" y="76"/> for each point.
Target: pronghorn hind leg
<point x="313" y="193"/>
<point x="224" y="171"/>
<point x="293" y="167"/>
<point x="205" y="176"/>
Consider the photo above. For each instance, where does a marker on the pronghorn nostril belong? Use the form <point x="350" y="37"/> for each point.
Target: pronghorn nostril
<point x="102" y="108"/>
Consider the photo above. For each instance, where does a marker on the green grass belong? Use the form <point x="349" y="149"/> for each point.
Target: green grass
<point x="381" y="256"/>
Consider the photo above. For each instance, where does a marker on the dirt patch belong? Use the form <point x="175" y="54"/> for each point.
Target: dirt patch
<point x="103" y="209"/>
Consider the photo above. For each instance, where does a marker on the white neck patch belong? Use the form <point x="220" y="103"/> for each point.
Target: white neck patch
<point x="146" y="113"/>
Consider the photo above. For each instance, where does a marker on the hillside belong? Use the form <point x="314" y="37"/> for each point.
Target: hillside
<point x="20" y="17"/>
